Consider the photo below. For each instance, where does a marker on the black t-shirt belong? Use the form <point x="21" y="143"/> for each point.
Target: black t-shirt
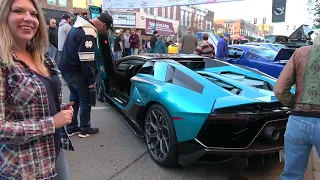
<point x="53" y="85"/>
<point x="117" y="44"/>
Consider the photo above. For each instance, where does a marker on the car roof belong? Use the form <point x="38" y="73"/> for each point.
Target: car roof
<point x="152" y="56"/>
<point x="244" y="47"/>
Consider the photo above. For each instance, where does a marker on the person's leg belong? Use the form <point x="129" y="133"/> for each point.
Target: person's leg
<point x="73" y="128"/>
<point x="85" y="109"/>
<point x="62" y="168"/>
<point x="136" y="51"/>
<point x="297" y="147"/>
<point x="132" y="51"/>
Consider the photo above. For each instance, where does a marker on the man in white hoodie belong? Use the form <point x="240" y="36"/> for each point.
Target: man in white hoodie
<point x="63" y="30"/>
<point x="77" y="68"/>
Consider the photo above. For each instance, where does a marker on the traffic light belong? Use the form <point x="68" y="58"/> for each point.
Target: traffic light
<point x="255" y="21"/>
<point x="264" y="20"/>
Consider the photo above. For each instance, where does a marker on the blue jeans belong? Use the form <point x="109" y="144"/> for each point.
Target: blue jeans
<point x="301" y="134"/>
<point x="117" y="55"/>
<point x="79" y="94"/>
<point x="134" y="51"/>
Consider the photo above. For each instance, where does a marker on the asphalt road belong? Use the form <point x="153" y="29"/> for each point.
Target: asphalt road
<point x="116" y="153"/>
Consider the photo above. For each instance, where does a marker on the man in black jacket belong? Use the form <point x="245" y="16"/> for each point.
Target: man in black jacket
<point x="153" y="41"/>
<point x="53" y="39"/>
<point x="77" y="68"/>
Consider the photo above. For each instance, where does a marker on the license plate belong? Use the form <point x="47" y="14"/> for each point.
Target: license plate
<point x="281" y="155"/>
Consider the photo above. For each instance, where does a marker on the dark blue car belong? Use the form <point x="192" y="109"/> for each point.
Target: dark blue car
<point x="263" y="59"/>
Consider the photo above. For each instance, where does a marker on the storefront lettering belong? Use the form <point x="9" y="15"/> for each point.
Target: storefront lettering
<point x="151" y="24"/>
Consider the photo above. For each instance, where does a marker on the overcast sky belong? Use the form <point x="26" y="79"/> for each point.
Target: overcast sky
<point x="248" y="9"/>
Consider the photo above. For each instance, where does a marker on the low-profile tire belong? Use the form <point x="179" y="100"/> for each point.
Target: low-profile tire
<point x="160" y="136"/>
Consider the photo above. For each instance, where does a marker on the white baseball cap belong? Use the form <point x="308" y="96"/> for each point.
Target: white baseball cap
<point x="117" y="31"/>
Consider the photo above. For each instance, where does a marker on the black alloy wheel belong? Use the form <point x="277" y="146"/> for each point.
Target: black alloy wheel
<point x="160" y="136"/>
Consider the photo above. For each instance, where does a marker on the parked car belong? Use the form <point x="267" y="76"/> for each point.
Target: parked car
<point x="263" y="59"/>
<point x="190" y="108"/>
<point x="272" y="46"/>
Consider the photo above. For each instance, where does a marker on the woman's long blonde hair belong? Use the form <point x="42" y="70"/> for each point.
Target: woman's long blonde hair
<point x="37" y="46"/>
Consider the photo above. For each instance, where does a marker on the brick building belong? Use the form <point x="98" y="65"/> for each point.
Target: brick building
<point x="265" y="29"/>
<point x="237" y="28"/>
<point x="198" y="19"/>
<point x="56" y="8"/>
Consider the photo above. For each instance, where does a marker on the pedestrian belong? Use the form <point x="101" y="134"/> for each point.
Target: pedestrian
<point x="32" y="116"/>
<point x="160" y="47"/>
<point x="134" y="42"/>
<point x="77" y="69"/>
<point x="53" y="39"/>
<point x="205" y="48"/>
<point x="222" y="47"/>
<point x="303" y="126"/>
<point x="63" y="30"/>
<point x="118" y="46"/>
<point x="188" y="43"/>
<point x="153" y="40"/>
<point x="127" y="50"/>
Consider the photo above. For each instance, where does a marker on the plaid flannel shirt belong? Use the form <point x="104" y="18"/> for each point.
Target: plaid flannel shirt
<point x="27" y="149"/>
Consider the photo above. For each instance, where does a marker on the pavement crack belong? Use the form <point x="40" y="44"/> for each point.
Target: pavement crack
<point x="126" y="167"/>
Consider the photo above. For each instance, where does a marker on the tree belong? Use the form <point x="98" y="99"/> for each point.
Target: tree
<point x="314" y="10"/>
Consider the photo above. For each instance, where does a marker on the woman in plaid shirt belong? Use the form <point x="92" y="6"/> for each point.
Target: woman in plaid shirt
<point x="31" y="113"/>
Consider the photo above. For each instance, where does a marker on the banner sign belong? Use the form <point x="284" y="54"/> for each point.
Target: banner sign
<point x="279" y="10"/>
<point x="163" y="27"/>
<point x="124" y="18"/>
<point x="130" y="4"/>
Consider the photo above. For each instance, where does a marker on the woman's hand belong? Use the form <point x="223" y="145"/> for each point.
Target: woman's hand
<point x="63" y="118"/>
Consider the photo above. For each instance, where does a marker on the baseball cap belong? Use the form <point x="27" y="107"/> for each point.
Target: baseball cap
<point x="226" y="35"/>
<point x="66" y="16"/>
<point x="117" y="31"/>
<point x="107" y="19"/>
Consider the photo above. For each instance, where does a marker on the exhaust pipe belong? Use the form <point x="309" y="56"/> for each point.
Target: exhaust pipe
<point x="271" y="133"/>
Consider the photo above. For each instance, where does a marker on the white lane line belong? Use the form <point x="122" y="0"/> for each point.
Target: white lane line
<point x="100" y="108"/>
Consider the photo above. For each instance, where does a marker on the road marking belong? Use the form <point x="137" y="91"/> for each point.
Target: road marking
<point x="100" y="108"/>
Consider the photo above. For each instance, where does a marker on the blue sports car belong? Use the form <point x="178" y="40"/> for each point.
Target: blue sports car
<point x="260" y="58"/>
<point x="189" y="108"/>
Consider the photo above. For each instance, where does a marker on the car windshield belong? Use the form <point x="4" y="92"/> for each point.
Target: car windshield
<point x="265" y="53"/>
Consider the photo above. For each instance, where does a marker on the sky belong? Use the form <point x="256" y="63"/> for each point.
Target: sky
<point x="296" y="14"/>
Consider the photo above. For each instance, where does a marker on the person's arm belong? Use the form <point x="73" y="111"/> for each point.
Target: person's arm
<point x="67" y="29"/>
<point x="284" y="83"/>
<point x="220" y="49"/>
<point x="165" y="48"/>
<point x="86" y="55"/>
<point x="198" y="50"/>
<point x="180" y="43"/>
<point x="20" y="132"/>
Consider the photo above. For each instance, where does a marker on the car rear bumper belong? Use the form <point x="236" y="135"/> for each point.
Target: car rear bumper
<point x="194" y="151"/>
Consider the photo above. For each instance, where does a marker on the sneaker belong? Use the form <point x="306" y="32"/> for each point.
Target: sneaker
<point x="88" y="132"/>
<point x="74" y="132"/>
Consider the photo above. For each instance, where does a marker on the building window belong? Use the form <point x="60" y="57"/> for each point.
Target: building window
<point x="169" y="12"/>
<point x="201" y="22"/>
<point x="53" y="2"/>
<point x="63" y="3"/>
<point x="186" y="18"/>
<point x="155" y="11"/>
<point x="190" y="19"/>
<point x="181" y="17"/>
<point x="149" y="11"/>
<point x="163" y="13"/>
<point x="175" y="12"/>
